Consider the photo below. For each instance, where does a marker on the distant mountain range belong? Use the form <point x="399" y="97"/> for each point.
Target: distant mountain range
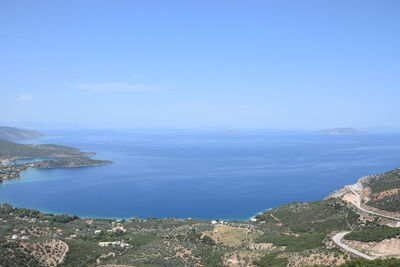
<point x="15" y="134"/>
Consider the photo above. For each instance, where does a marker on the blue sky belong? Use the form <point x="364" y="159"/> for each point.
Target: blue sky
<point x="179" y="64"/>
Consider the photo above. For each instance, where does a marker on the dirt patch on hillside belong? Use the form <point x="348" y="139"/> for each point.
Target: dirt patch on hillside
<point x="350" y="197"/>
<point x="386" y="193"/>
<point x="232" y="236"/>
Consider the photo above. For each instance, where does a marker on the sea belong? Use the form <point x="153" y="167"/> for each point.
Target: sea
<point x="198" y="173"/>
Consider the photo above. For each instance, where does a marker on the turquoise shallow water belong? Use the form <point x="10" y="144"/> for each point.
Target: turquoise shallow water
<point x="199" y="174"/>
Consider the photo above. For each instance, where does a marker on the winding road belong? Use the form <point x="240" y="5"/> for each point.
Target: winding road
<point x="338" y="241"/>
<point x="337" y="238"/>
<point x="358" y="205"/>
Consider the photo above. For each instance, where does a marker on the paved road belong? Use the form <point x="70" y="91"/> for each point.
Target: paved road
<point x="338" y="241"/>
<point x="338" y="237"/>
<point x="358" y="205"/>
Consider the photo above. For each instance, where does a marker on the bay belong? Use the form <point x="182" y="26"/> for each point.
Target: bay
<point x="199" y="173"/>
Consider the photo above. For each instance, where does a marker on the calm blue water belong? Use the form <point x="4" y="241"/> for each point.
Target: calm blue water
<point x="199" y="174"/>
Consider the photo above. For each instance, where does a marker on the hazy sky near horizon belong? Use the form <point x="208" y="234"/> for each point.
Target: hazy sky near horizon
<point x="236" y="64"/>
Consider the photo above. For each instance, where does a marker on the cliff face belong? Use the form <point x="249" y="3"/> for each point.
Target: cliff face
<point x="15" y="134"/>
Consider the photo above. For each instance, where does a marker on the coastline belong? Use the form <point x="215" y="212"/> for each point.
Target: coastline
<point x="33" y="162"/>
<point x="184" y="214"/>
<point x="100" y="217"/>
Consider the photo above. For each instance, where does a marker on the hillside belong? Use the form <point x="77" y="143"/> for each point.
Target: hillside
<point x="15" y="134"/>
<point x="296" y="234"/>
<point x="378" y="192"/>
<point x="11" y="150"/>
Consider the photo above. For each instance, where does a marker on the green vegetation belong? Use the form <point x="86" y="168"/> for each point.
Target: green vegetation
<point x="384" y="181"/>
<point x="374" y="263"/>
<point x="392" y="262"/>
<point x="81" y="253"/>
<point x="13" y="255"/>
<point x="63" y="218"/>
<point x="152" y="242"/>
<point x="171" y="242"/>
<point x="10" y="149"/>
<point x="389" y="203"/>
<point x="322" y="216"/>
<point x="294" y="243"/>
<point x="373" y="234"/>
<point x="271" y="260"/>
<point x="303" y="226"/>
<point x="213" y="259"/>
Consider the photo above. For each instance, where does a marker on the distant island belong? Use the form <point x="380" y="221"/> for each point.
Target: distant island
<point x="16" y="134"/>
<point x="340" y="131"/>
<point x="230" y="132"/>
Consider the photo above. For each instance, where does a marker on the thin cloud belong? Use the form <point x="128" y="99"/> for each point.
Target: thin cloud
<point x="25" y="97"/>
<point x="114" y="87"/>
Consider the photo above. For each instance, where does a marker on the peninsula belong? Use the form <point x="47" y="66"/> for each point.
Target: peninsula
<point x="56" y="156"/>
